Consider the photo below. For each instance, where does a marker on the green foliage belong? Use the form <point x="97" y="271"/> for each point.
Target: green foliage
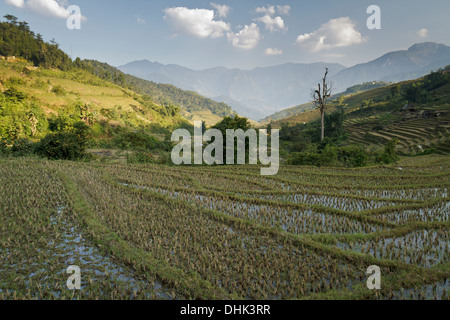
<point x="61" y="146"/>
<point x="13" y="93"/>
<point x="165" y="95"/>
<point x="306" y="158"/>
<point x="16" y="39"/>
<point x="352" y="156"/>
<point x="416" y="94"/>
<point x="15" y="81"/>
<point x="22" y="148"/>
<point x="301" y="135"/>
<point x="348" y="156"/>
<point x="365" y="87"/>
<point x="138" y="140"/>
<point x="389" y="155"/>
<point x="67" y="143"/>
<point x="395" y="91"/>
<point x="233" y="123"/>
<point x="39" y="84"/>
<point x="59" y="90"/>
<point x="4" y="143"/>
<point x="18" y="118"/>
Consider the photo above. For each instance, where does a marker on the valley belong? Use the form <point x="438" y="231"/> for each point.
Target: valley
<point x="90" y="189"/>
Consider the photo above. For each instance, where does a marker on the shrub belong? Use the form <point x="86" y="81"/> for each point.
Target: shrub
<point x="4" y="143"/>
<point x="139" y="141"/>
<point x="352" y="156"/>
<point x="22" y="147"/>
<point x="62" y="146"/>
<point x="13" y="93"/>
<point x="15" y="81"/>
<point x="306" y="158"/>
<point x="59" y="90"/>
<point x="389" y="155"/>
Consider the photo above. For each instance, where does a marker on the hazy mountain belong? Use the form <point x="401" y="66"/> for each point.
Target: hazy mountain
<point x="255" y="93"/>
<point x="396" y="66"/>
<point x="261" y="92"/>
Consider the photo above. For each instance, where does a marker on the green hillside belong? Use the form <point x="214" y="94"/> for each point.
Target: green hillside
<point x="40" y="82"/>
<point x="297" y="110"/>
<point x="416" y="113"/>
<point x="33" y="96"/>
<point x="193" y="106"/>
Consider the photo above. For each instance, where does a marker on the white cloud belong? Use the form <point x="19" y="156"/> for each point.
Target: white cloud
<point x="273" y="24"/>
<point x="269" y="10"/>
<point x="273" y="52"/>
<point x="222" y="10"/>
<point x="16" y="3"/>
<point x="423" y="33"/>
<point x="195" y="22"/>
<point x="283" y="9"/>
<point x="340" y="32"/>
<point x="47" y="8"/>
<point x="248" y="38"/>
<point x="141" y="21"/>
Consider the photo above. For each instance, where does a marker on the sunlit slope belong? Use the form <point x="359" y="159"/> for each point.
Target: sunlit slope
<point x="376" y="116"/>
<point x="53" y="90"/>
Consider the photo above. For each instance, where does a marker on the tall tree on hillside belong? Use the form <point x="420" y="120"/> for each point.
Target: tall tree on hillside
<point x="11" y="19"/>
<point x="321" y="96"/>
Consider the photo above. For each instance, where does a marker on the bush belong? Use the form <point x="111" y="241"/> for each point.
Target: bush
<point x="62" y="146"/>
<point x="389" y="155"/>
<point x="4" y="143"/>
<point x="22" y="148"/>
<point x="352" y="156"/>
<point x="13" y="93"/>
<point x="386" y="158"/>
<point x="306" y="158"/>
<point x="59" y="90"/>
<point x="139" y="141"/>
<point x="349" y="156"/>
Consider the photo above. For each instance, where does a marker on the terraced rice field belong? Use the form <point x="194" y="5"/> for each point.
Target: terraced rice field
<point x="156" y="232"/>
<point x="413" y="134"/>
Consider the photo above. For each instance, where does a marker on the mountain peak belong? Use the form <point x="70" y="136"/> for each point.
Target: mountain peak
<point x="426" y="46"/>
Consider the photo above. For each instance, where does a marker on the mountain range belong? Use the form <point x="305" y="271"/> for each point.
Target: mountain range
<point x="260" y="92"/>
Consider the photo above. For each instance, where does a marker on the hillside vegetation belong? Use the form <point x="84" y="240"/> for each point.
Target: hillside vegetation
<point x="414" y="114"/>
<point x="303" y="108"/>
<point x="122" y="96"/>
<point x="33" y="97"/>
<point x="194" y="107"/>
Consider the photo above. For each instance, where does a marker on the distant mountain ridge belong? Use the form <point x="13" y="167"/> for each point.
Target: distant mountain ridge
<point x="396" y="66"/>
<point x="260" y="92"/>
<point x="255" y="93"/>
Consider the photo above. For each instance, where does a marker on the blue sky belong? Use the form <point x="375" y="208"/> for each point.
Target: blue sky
<point x="243" y="34"/>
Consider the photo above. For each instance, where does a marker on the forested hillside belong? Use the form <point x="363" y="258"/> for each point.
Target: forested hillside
<point x="190" y="102"/>
<point x="17" y="40"/>
<point x="43" y="92"/>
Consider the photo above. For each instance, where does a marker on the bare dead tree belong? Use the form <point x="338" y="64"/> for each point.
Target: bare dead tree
<point x="321" y="96"/>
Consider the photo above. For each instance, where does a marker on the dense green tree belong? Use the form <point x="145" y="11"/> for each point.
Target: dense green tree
<point x="16" y="39"/>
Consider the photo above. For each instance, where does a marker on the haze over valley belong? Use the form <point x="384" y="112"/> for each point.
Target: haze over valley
<point x="260" y="92"/>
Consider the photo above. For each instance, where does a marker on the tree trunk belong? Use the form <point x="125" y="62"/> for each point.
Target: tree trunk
<point x="323" y="125"/>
